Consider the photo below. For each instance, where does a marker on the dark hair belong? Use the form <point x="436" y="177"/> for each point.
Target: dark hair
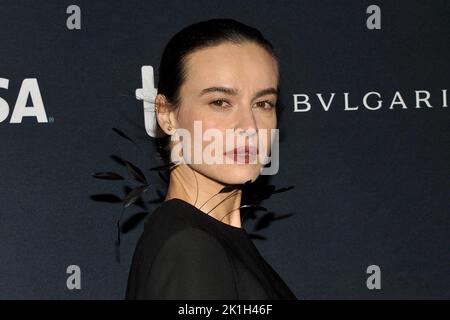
<point x="172" y="71"/>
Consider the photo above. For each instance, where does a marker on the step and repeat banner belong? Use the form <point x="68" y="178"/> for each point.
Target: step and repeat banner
<point x="364" y="142"/>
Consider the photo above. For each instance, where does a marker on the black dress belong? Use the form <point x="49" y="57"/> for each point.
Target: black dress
<point x="185" y="254"/>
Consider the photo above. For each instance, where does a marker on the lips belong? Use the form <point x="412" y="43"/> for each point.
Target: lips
<point x="243" y="154"/>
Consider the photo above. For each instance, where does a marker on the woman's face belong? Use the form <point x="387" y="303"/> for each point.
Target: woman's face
<point x="244" y="70"/>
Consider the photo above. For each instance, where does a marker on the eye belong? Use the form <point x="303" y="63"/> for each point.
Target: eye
<point x="266" y="104"/>
<point x="219" y="103"/>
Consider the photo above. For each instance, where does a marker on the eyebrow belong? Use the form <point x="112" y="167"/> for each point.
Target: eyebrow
<point x="234" y="92"/>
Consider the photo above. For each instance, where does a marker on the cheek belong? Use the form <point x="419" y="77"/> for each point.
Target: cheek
<point x="266" y="118"/>
<point x="267" y="128"/>
<point x="185" y="119"/>
<point x="188" y="116"/>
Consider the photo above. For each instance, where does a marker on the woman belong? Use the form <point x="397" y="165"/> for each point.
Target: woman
<point x="224" y="75"/>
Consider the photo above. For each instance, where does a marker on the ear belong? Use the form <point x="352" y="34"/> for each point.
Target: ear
<point x="165" y="114"/>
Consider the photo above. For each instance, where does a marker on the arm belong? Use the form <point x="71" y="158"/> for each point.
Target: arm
<point x="191" y="264"/>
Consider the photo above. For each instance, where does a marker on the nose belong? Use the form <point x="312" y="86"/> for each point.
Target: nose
<point x="246" y="124"/>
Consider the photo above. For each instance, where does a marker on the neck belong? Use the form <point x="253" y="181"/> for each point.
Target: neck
<point x="203" y="192"/>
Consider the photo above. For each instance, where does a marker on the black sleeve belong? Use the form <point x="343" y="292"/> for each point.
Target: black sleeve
<point x="191" y="264"/>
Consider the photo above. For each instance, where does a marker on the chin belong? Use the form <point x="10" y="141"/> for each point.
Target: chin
<point x="237" y="173"/>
